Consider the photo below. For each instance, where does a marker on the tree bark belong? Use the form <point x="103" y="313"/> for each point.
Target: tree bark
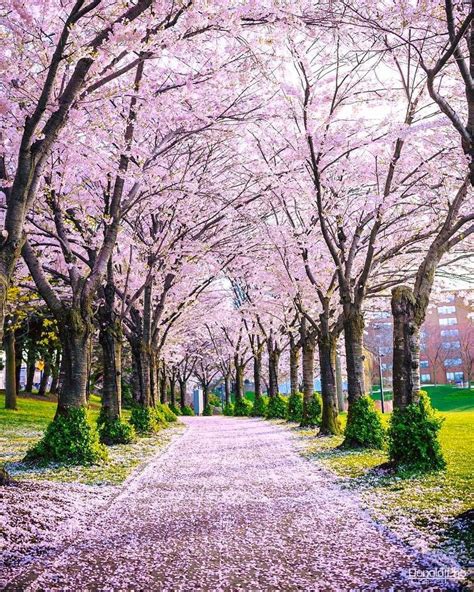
<point x="308" y="347"/>
<point x="257" y="374"/>
<point x="74" y="333"/>
<point x="163" y="385"/>
<point x="294" y="364"/>
<point x="327" y="344"/>
<point x="406" y="347"/>
<point x="354" y="345"/>
<point x="10" y="370"/>
<point x="173" y="389"/>
<point x="31" y="367"/>
<point x="239" y="382"/>
<point x="141" y="381"/>
<point x="273" y="362"/>
<point x="111" y="343"/>
<point x="227" y="389"/>
<point x="205" y="395"/>
<point x="182" y="393"/>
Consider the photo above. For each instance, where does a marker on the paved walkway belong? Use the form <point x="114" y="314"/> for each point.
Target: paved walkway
<point x="232" y="506"/>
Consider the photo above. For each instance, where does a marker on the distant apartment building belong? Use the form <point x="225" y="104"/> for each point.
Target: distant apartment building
<point x="446" y="344"/>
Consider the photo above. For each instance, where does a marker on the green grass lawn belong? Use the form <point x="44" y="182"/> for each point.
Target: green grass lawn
<point x="427" y="504"/>
<point x="444" y="397"/>
<point x="20" y="429"/>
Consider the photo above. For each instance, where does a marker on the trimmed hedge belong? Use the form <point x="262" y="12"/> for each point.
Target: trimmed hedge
<point x="169" y="415"/>
<point x="69" y="439"/>
<point x="364" y="427"/>
<point x="277" y="407"/>
<point x="147" y="420"/>
<point x="116" y="432"/>
<point x="228" y="409"/>
<point x="312" y="417"/>
<point x="259" y="408"/>
<point x="413" y="438"/>
<point x="242" y="407"/>
<point x="295" y="407"/>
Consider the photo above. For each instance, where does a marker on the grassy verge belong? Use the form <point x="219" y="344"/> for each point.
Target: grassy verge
<point x="424" y="511"/>
<point x="22" y="428"/>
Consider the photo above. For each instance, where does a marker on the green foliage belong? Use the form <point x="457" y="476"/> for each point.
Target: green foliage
<point x="277" y="407"/>
<point x="207" y="410"/>
<point x="69" y="439"/>
<point x="147" y="420"/>
<point x="228" y="409"/>
<point x="169" y="415"/>
<point x="214" y="400"/>
<point x="295" y="407"/>
<point x="312" y="417"/>
<point x="413" y="438"/>
<point x="259" y="408"/>
<point x="242" y="407"/>
<point x="187" y="410"/>
<point x="364" y="427"/>
<point x="116" y="432"/>
<point x="175" y="409"/>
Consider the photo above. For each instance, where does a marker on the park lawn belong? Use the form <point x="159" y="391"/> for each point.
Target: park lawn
<point x="20" y="429"/>
<point x="428" y="505"/>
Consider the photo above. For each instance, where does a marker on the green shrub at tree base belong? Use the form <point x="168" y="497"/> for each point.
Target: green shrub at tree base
<point x="277" y="407"/>
<point x="207" y="410"/>
<point x="214" y="400"/>
<point x="147" y="420"/>
<point x="169" y="415"/>
<point x="295" y="407"/>
<point x="116" y="432"/>
<point x="312" y="417"/>
<point x="364" y="427"/>
<point x="187" y="410"/>
<point x="228" y="409"/>
<point x="242" y="407"/>
<point x="259" y="408"/>
<point x="69" y="439"/>
<point x="413" y="438"/>
<point x="175" y="409"/>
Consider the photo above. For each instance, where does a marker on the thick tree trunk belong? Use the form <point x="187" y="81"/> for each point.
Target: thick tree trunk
<point x="308" y="347"/>
<point x="31" y="367"/>
<point x="205" y="395"/>
<point x="182" y="393"/>
<point x="294" y="363"/>
<point x="154" y="379"/>
<point x="141" y="367"/>
<point x="74" y="333"/>
<point x="273" y="362"/>
<point x="327" y="344"/>
<point x="239" y="382"/>
<point x="111" y="343"/>
<point x="257" y="374"/>
<point x="354" y="344"/>
<point x="10" y="370"/>
<point x="406" y="347"/>
<point x="44" y="379"/>
<point x="173" y="390"/>
<point x="227" y="389"/>
<point x="163" y="384"/>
